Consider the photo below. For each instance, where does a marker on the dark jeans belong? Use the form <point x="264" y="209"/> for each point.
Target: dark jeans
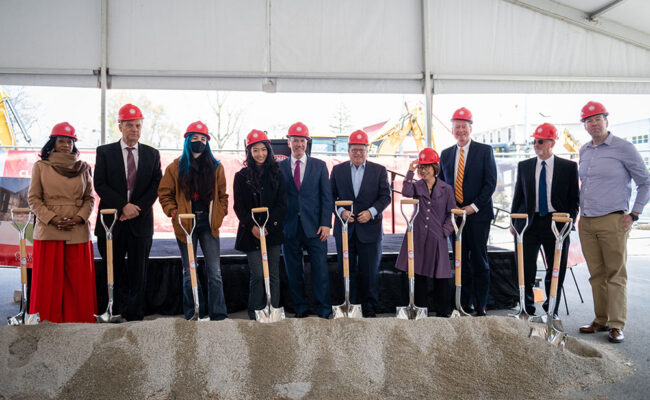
<point x="130" y="273"/>
<point x="293" y="260"/>
<point x="257" y="292"/>
<point x="216" y="307"/>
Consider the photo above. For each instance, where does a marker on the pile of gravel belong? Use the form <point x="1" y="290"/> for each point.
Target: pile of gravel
<point x="170" y="358"/>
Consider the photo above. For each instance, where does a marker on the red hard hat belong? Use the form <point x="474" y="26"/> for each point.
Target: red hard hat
<point x="358" y="137"/>
<point x="64" y="129"/>
<point x="592" y="108"/>
<point x="197" y="127"/>
<point x="428" y="156"/>
<point x="129" y="112"/>
<point x="462" y="114"/>
<point x="299" y="129"/>
<point x="255" y="136"/>
<point x="545" y="131"/>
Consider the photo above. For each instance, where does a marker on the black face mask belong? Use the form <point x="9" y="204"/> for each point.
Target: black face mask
<point x="197" y="147"/>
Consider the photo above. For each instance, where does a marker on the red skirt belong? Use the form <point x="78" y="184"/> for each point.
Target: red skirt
<point x="63" y="281"/>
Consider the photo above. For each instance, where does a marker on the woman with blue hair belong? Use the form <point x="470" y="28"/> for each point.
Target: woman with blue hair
<point x="196" y="183"/>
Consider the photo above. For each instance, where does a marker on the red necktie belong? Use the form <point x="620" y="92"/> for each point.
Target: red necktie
<point x="296" y="174"/>
<point x="130" y="169"/>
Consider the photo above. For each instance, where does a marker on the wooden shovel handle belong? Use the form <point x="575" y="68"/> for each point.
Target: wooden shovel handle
<point x="561" y="214"/>
<point x="457" y="211"/>
<point x="186" y="216"/>
<point x="265" y="256"/>
<point x="411" y="270"/>
<point x="409" y="201"/>
<point x="556" y="272"/>
<point x="343" y="203"/>
<point x="518" y="216"/>
<point x="520" y="263"/>
<point x="562" y="219"/>
<point x="457" y="263"/>
<point x="109" y="261"/>
<point x="21" y="210"/>
<point x="108" y="211"/>
<point x="23" y="261"/>
<point x="346" y="255"/>
<point x="190" y="257"/>
<point x="260" y="209"/>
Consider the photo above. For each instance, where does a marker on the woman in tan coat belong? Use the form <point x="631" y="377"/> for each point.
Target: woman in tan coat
<point x="196" y="183"/>
<point x="61" y="197"/>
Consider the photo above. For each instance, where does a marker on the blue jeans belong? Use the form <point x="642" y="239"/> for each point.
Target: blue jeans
<point x="211" y="253"/>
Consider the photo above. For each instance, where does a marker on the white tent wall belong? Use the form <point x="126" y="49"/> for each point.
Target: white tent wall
<point x="492" y="46"/>
<point x="474" y="46"/>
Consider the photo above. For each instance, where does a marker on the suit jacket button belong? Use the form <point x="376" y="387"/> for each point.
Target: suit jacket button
<point x="428" y="210"/>
<point x="427" y="217"/>
<point x="275" y="223"/>
<point x="428" y="202"/>
<point x="426" y="226"/>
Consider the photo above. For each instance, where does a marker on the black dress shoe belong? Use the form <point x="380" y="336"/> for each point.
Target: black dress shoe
<point x="468" y="309"/>
<point x="370" y="314"/>
<point x="481" y="312"/>
<point x="301" y="315"/>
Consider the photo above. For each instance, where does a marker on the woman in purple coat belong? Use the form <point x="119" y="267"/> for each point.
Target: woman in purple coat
<point x="431" y="228"/>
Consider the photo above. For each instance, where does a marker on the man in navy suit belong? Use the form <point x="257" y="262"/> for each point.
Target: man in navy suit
<point x="366" y="184"/>
<point x="545" y="184"/>
<point x="307" y="223"/>
<point x="469" y="167"/>
<point x="127" y="174"/>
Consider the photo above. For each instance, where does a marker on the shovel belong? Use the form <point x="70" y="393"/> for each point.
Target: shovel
<point x="553" y="332"/>
<point x="522" y="314"/>
<point x="190" y="257"/>
<point x="346" y="310"/>
<point x="23" y="318"/>
<point x="411" y="311"/>
<point x="108" y="316"/>
<point x="268" y="313"/>
<point x="458" y="312"/>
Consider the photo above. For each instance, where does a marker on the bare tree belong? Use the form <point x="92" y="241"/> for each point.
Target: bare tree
<point x="228" y="120"/>
<point x="159" y="130"/>
<point x="341" y="120"/>
<point x="25" y="108"/>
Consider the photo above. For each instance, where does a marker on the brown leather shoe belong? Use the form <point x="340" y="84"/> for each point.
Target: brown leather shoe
<point x="592" y="328"/>
<point x="616" y="335"/>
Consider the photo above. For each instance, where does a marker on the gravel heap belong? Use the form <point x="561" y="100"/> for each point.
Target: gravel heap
<point x="170" y="358"/>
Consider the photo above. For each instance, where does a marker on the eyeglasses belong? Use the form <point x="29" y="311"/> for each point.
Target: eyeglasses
<point x="424" y="166"/>
<point x="357" y="151"/>
<point x="539" y="141"/>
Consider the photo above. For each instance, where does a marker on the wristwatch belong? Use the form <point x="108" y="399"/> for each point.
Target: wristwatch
<point x="635" y="217"/>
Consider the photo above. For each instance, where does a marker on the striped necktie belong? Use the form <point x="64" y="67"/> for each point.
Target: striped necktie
<point x="459" y="177"/>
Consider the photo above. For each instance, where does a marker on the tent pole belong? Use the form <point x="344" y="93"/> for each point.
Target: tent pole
<point x="102" y="71"/>
<point x="428" y="84"/>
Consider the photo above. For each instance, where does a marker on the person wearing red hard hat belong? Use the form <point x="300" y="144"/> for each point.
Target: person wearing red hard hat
<point x="431" y="228"/>
<point x="366" y="184"/>
<point x="126" y="178"/>
<point x="260" y="184"/>
<point x="545" y="184"/>
<point x="469" y="167"/>
<point x="61" y="197"/>
<point x="608" y="165"/>
<point x="307" y="223"/>
<point x="195" y="183"/>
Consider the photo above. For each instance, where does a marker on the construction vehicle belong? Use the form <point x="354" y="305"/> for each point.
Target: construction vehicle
<point x="8" y="120"/>
<point x="411" y="123"/>
<point x="570" y="143"/>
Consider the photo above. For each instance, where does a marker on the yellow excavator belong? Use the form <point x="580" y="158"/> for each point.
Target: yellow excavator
<point x="570" y="143"/>
<point x="8" y="117"/>
<point x="412" y="122"/>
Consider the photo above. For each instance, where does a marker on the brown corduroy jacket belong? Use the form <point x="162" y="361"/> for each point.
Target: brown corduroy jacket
<point x="52" y="194"/>
<point x="172" y="199"/>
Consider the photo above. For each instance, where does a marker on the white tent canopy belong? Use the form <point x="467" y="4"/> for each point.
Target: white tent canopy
<point x="365" y="46"/>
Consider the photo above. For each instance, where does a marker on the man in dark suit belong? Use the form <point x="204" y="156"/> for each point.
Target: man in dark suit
<point x="126" y="178"/>
<point x="366" y="184"/>
<point x="470" y="168"/>
<point x="545" y="184"/>
<point x="307" y="223"/>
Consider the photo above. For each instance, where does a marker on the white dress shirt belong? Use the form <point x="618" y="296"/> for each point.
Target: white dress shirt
<point x="125" y="154"/>
<point x="549" y="181"/>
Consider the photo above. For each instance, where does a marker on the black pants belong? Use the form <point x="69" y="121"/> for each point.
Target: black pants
<point x="539" y="234"/>
<point x="130" y="261"/>
<point x="441" y="295"/>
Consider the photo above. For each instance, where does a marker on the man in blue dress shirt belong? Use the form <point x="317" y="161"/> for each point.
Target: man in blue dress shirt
<point x="608" y="164"/>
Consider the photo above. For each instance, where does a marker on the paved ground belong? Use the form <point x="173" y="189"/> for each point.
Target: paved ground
<point x="637" y="332"/>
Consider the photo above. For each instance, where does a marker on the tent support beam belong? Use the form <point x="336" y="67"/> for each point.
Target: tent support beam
<point x="604" y="9"/>
<point x="428" y="82"/>
<point x="102" y="77"/>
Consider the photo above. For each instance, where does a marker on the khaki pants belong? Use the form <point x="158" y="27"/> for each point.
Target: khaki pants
<point x="604" y="241"/>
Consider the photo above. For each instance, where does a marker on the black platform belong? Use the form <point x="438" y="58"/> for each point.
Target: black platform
<point x="164" y="278"/>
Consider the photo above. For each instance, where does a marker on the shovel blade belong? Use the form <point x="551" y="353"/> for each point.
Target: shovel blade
<point x="347" y="311"/>
<point x="411" y="312"/>
<point x="522" y="315"/>
<point x="269" y="314"/>
<point x="32" y="319"/>
<point x="17" y="319"/>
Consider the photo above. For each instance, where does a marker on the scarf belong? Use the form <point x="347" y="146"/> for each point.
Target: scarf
<point x="67" y="165"/>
